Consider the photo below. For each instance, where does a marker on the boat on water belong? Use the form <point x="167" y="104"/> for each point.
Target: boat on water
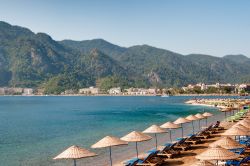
<point x="165" y="95"/>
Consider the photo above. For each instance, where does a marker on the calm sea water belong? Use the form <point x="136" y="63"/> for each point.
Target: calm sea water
<point x="35" y="129"/>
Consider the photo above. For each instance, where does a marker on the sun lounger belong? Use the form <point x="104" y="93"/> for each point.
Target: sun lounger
<point x="193" y="139"/>
<point x="239" y="151"/>
<point x="238" y="163"/>
<point x="131" y="162"/>
<point x="150" y="160"/>
<point x="202" y="134"/>
<point x="217" y="126"/>
<point x="168" y="151"/>
<point x="182" y="144"/>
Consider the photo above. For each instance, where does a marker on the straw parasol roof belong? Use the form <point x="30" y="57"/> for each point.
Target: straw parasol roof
<point x="136" y="136"/>
<point x="170" y="125"/>
<point x="74" y="152"/>
<point x="246" y="120"/>
<point x="191" y="117"/>
<point x="241" y="126"/>
<point x="227" y="143"/>
<point x="199" y="116"/>
<point x="154" y="129"/>
<point x="217" y="153"/>
<point x="109" y="141"/>
<point x="244" y="123"/>
<point x="225" y="110"/>
<point x="181" y="121"/>
<point x="235" y="131"/>
<point x="207" y="114"/>
<point x="202" y="163"/>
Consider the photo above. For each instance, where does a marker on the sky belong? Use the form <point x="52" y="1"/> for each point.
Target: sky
<point x="213" y="27"/>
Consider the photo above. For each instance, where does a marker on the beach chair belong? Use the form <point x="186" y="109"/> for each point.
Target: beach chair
<point x="182" y="144"/>
<point x="245" y="142"/>
<point x="150" y="160"/>
<point x="240" y="151"/>
<point x="193" y="139"/>
<point x="168" y="151"/>
<point x="217" y="126"/>
<point x="238" y="163"/>
<point x="131" y="162"/>
<point x="203" y="134"/>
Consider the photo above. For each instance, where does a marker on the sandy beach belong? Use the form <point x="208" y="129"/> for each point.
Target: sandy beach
<point x="186" y="158"/>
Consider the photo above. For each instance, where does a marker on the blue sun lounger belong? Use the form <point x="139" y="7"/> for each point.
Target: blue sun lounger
<point x="238" y="163"/>
<point x="147" y="161"/>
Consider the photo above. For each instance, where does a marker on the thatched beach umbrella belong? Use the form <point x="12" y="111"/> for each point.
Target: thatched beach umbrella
<point x="236" y="131"/>
<point x="217" y="153"/>
<point x="244" y="123"/>
<point x="192" y="118"/>
<point x="181" y="121"/>
<point x="109" y="141"/>
<point x="170" y="126"/>
<point x="154" y="129"/>
<point x="240" y="126"/>
<point x="136" y="136"/>
<point x="200" y="117"/>
<point x="207" y="114"/>
<point x="227" y="143"/>
<point x="74" y="152"/>
<point x="202" y="163"/>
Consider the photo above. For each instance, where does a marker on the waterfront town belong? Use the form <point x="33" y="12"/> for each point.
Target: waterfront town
<point x="200" y="89"/>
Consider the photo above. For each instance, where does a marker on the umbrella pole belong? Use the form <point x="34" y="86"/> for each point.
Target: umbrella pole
<point x="181" y="130"/>
<point x="206" y="121"/>
<point x="199" y="124"/>
<point x="170" y="135"/>
<point x="225" y="114"/>
<point x="110" y="156"/>
<point x="193" y="126"/>
<point x="136" y="149"/>
<point x="74" y="162"/>
<point x="156" y="141"/>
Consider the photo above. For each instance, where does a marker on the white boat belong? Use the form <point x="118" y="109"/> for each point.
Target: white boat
<point x="164" y="95"/>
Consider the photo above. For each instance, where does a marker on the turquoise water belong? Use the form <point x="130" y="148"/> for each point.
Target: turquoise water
<point x="35" y="129"/>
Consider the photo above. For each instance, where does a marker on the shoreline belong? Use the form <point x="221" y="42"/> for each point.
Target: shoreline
<point x="120" y="95"/>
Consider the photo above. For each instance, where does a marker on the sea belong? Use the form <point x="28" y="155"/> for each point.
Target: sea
<point x="34" y="129"/>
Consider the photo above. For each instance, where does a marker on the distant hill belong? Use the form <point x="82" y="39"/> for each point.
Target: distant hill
<point x="36" y="60"/>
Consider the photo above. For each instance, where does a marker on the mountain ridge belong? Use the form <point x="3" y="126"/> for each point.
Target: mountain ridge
<point x="37" y="60"/>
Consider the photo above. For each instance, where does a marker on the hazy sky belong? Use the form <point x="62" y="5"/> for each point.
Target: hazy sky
<point x="215" y="27"/>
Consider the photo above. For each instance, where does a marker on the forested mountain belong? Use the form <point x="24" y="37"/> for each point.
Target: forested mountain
<point x="36" y="60"/>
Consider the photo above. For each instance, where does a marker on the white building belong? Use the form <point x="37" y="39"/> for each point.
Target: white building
<point x="115" y="91"/>
<point x="90" y="90"/>
<point x="27" y="91"/>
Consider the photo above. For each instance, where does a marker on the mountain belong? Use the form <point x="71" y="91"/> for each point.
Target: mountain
<point x="31" y="60"/>
<point x="87" y="45"/>
<point x="36" y="60"/>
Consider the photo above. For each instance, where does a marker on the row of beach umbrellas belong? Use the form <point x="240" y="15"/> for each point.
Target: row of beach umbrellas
<point x="219" y="150"/>
<point x="76" y="152"/>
